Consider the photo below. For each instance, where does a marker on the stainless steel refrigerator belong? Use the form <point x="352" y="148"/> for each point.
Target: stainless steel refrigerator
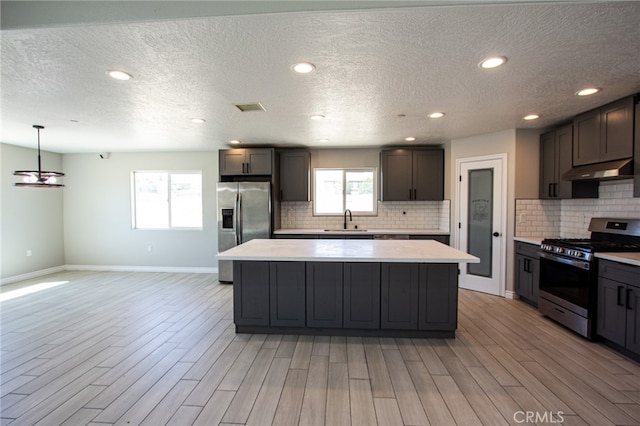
<point x="244" y="213"/>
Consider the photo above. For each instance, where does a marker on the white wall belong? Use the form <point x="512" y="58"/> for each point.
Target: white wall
<point x="32" y="218"/>
<point x="97" y="212"/>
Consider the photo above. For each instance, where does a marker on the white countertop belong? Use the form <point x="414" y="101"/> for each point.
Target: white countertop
<point x="529" y="240"/>
<point x="628" y="258"/>
<point x="414" y="251"/>
<point x="302" y="231"/>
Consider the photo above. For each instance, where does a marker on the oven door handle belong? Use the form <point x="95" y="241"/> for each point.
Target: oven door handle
<point x="571" y="262"/>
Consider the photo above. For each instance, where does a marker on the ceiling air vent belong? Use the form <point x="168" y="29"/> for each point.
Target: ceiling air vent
<point x="250" y="107"/>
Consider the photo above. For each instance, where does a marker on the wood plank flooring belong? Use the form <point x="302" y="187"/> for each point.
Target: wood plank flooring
<point x="106" y="348"/>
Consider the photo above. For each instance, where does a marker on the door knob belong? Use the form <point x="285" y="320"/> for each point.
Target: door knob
<point x="496" y="234"/>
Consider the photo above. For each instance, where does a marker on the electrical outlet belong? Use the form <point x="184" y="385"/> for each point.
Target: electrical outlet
<point x="28" y="253"/>
<point x="149" y="248"/>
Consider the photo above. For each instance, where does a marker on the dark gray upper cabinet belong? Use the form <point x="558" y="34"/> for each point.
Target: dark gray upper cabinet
<point x="294" y="175"/>
<point x="555" y="160"/>
<point x="604" y="134"/>
<point x="246" y="161"/>
<point x="412" y="174"/>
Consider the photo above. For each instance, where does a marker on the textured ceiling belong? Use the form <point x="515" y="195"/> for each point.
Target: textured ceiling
<point x="372" y="66"/>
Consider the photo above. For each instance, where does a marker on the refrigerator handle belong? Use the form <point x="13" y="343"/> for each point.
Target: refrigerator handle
<point x="238" y="221"/>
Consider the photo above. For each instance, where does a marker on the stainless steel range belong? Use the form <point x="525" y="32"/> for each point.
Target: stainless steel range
<point x="568" y="271"/>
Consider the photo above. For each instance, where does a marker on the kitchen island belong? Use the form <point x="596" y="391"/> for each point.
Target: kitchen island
<point x="398" y="288"/>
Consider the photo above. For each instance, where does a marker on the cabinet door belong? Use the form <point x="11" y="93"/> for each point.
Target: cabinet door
<point x="633" y="318"/>
<point x="294" y="176"/>
<point x="397" y="176"/>
<point x="611" y="316"/>
<point x="399" y="296"/>
<point x="438" y="297"/>
<point x="324" y="294"/>
<point x="231" y="161"/>
<point x="523" y="277"/>
<point x="428" y="175"/>
<point x="250" y="290"/>
<point x="258" y="161"/>
<point x="534" y="266"/>
<point x="586" y="138"/>
<point x="287" y="285"/>
<point x="616" y="130"/>
<point x="548" y="169"/>
<point x="361" y="295"/>
<point x="564" y="147"/>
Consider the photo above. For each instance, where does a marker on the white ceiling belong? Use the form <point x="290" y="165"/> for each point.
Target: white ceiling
<point x="372" y="66"/>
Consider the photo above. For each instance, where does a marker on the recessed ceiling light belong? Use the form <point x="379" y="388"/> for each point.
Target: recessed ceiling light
<point x="531" y="117"/>
<point x="492" y="62"/>
<point x="436" y="115"/>
<point x="317" y="117"/>
<point x="303" y="67"/>
<point x="410" y="139"/>
<point x="235" y="142"/>
<point x="198" y="120"/>
<point x="119" y="75"/>
<point x="588" y="91"/>
<point x="323" y="140"/>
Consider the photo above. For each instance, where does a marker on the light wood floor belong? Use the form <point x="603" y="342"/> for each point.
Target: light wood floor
<point x="159" y="348"/>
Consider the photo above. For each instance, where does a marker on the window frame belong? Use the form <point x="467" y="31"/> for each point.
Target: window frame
<point x="345" y="170"/>
<point x="169" y="173"/>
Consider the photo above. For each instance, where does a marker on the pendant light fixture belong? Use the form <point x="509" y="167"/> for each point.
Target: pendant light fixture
<point x="38" y="178"/>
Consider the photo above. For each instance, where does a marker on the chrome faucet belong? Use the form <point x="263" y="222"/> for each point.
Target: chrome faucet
<point x="345" y="218"/>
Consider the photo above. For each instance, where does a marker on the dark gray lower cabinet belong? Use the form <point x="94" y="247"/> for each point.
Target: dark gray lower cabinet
<point x="527" y="272"/>
<point x="361" y="295"/>
<point x="346" y="298"/>
<point x="251" y="293"/>
<point x="399" y="296"/>
<point x="324" y="294"/>
<point x="438" y="297"/>
<point x="286" y="285"/>
<point x="618" y="317"/>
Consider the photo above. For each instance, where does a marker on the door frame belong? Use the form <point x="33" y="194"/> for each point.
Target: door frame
<point x="503" y="184"/>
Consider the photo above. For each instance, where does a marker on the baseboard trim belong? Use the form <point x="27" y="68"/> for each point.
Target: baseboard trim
<point x="109" y="268"/>
<point x="126" y="268"/>
<point x="31" y="275"/>
<point x="508" y="294"/>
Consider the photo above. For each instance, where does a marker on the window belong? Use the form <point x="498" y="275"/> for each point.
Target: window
<point x="336" y="190"/>
<point x="166" y="200"/>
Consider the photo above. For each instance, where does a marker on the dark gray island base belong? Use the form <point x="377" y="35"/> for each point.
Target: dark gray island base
<point x="383" y="299"/>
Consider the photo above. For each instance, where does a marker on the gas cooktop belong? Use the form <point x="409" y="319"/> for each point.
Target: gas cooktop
<point x="607" y="235"/>
<point x="590" y="245"/>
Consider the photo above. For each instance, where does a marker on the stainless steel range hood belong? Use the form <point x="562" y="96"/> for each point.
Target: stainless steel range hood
<point x="619" y="169"/>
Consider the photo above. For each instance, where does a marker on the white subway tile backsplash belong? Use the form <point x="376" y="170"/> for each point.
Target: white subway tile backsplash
<point x="391" y="215"/>
<point x="570" y="218"/>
